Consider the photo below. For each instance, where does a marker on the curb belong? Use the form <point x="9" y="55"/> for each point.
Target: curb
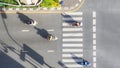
<point x="44" y="10"/>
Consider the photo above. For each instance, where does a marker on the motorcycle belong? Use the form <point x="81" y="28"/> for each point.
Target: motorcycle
<point x="32" y="22"/>
<point x="51" y="38"/>
<point x="76" y="23"/>
<point x="85" y="63"/>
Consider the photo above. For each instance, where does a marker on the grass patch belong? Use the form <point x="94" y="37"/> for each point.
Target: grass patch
<point x="9" y="1"/>
<point x="50" y="3"/>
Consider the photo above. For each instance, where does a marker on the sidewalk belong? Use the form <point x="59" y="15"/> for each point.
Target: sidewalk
<point x="68" y="6"/>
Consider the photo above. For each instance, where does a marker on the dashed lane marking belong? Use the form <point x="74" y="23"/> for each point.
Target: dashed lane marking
<point x="50" y="51"/>
<point x="25" y="30"/>
<point x="94" y="14"/>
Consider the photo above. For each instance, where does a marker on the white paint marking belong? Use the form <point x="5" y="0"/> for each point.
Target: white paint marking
<point x="24" y="8"/>
<point x="94" y="65"/>
<point x="94" y="35"/>
<point x="72" y="34"/>
<point x="50" y="29"/>
<point x="94" y="59"/>
<point x="72" y="45"/>
<point x="73" y="65"/>
<point x="67" y="24"/>
<point x="73" y="18"/>
<point x="94" y="14"/>
<point x="94" y="47"/>
<point x="94" y="53"/>
<point x="50" y="51"/>
<point x="25" y="30"/>
<point x="77" y="5"/>
<point x="71" y="60"/>
<point x="72" y="50"/>
<point x="94" y="21"/>
<point x="72" y="29"/>
<point x="70" y="55"/>
<point x="94" y="28"/>
<point x="73" y="40"/>
<point x="94" y="41"/>
<point x="74" y="13"/>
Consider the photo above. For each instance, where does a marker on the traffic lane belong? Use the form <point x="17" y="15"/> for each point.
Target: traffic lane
<point x="26" y="34"/>
<point x="108" y="40"/>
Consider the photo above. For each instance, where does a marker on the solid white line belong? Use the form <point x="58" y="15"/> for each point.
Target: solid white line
<point x="94" y="21"/>
<point x="94" y="65"/>
<point x="94" y="28"/>
<point x="72" y="29"/>
<point x="73" y="18"/>
<point x="94" y="41"/>
<point x="25" y="30"/>
<point x="73" y="40"/>
<point x="71" y="60"/>
<point x="72" y="45"/>
<point x="94" y="59"/>
<point x="72" y="50"/>
<point x="72" y="34"/>
<point x="73" y="65"/>
<point x="94" y="53"/>
<point x="94" y="14"/>
<point x="94" y="47"/>
<point x="70" y="55"/>
<point x="74" y="13"/>
<point x="94" y="35"/>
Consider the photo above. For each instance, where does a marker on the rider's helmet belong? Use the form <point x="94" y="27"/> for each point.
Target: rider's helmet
<point x="50" y="37"/>
<point x="77" y="23"/>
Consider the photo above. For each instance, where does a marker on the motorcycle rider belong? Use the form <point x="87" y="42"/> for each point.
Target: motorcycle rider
<point x="76" y="23"/>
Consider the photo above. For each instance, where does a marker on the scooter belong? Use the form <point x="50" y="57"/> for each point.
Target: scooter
<point x="76" y="23"/>
<point x="51" y="37"/>
<point x="85" y="63"/>
<point x="32" y="22"/>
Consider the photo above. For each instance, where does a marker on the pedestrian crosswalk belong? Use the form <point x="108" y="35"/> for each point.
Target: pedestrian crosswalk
<point x="72" y="47"/>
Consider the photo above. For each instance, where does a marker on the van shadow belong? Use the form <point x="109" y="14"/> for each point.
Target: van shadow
<point x="35" y="55"/>
<point x="23" y="18"/>
<point x="42" y="32"/>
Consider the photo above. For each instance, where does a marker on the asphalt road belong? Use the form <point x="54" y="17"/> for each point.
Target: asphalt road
<point x="108" y="14"/>
<point x="16" y="34"/>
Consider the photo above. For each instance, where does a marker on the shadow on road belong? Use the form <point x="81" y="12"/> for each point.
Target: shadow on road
<point x="25" y="19"/>
<point x="81" y="60"/>
<point x="8" y="62"/>
<point x="34" y="55"/>
<point x="70" y="21"/>
<point x="4" y="16"/>
<point x="42" y="32"/>
<point x="62" y="64"/>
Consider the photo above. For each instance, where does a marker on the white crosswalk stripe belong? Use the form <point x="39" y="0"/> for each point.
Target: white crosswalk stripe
<point x="72" y="47"/>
